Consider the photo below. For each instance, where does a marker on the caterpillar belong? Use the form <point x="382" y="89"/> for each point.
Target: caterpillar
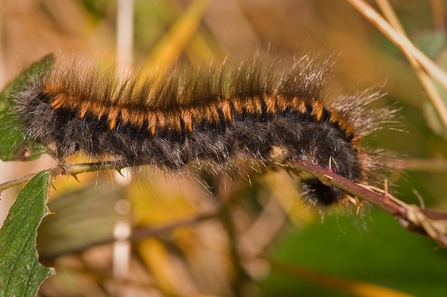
<point x="213" y="115"/>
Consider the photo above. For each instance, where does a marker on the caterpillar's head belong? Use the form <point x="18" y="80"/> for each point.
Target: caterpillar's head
<point x="321" y="194"/>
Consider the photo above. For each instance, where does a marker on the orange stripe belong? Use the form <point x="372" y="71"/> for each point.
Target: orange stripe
<point x="84" y="110"/>
<point x="57" y="103"/>
<point x="226" y="110"/>
<point x="187" y="119"/>
<point x="317" y="110"/>
<point x="270" y="101"/>
<point x="302" y="107"/>
<point x="152" y="119"/>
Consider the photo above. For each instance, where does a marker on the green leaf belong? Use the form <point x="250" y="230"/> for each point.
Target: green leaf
<point x="13" y="144"/>
<point x="20" y="271"/>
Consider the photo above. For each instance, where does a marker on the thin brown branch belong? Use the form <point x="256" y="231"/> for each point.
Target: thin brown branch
<point x="402" y="42"/>
<point x="414" y="218"/>
<point x="425" y="80"/>
<point x="329" y="177"/>
<point x="423" y="221"/>
<point x="17" y="181"/>
<point x="67" y="169"/>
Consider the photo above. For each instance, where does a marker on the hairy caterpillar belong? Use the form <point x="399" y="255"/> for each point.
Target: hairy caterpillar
<point x="213" y="115"/>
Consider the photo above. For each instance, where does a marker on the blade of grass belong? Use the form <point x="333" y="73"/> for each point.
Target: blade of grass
<point x="425" y="80"/>
<point x="400" y="41"/>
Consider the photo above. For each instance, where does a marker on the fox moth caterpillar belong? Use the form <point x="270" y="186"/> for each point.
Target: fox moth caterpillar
<point x="211" y="115"/>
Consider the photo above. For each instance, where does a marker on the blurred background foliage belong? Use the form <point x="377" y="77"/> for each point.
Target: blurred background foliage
<point x="206" y="235"/>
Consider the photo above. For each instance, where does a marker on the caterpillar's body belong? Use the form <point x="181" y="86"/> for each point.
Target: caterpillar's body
<point x="214" y="116"/>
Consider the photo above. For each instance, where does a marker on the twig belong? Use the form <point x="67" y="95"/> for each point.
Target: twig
<point x="329" y="177"/>
<point x="401" y="41"/>
<point x="16" y="182"/>
<point x="425" y="80"/>
<point x="124" y="37"/>
<point x="427" y="222"/>
<point x="423" y="221"/>
<point x="68" y="169"/>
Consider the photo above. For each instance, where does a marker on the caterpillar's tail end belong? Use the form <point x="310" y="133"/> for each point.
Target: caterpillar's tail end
<point x="321" y="194"/>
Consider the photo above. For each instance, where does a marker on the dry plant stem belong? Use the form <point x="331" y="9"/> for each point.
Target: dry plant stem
<point x="324" y="175"/>
<point x="329" y="177"/>
<point x="124" y="38"/>
<point x="411" y="217"/>
<point x="16" y="182"/>
<point x="67" y="169"/>
<point x="404" y="44"/>
<point x="75" y="169"/>
<point x="383" y="200"/>
<point x="425" y="80"/>
<point x="420" y="220"/>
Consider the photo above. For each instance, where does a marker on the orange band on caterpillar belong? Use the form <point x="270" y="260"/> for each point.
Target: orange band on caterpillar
<point x="213" y="116"/>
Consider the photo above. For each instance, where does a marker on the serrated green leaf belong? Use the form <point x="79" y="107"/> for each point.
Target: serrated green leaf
<point x="20" y="271"/>
<point x="13" y="145"/>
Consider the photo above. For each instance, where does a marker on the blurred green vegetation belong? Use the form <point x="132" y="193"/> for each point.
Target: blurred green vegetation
<point x="255" y="216"/>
